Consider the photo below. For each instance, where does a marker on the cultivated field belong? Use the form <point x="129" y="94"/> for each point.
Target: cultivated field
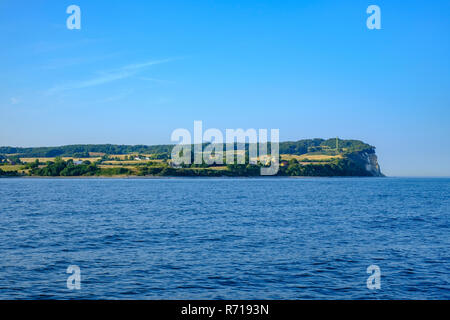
<point x="312" y="157"/>
<point x="11" y="167"/>
<point x="27" y="160"/>
<point x="113" y="162"/>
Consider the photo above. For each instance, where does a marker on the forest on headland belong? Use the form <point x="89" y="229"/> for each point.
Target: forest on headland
<point x="309" y="157"/>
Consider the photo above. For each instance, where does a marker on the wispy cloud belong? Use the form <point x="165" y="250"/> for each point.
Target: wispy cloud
<point x="106" y="77"/>
<point x="116" y="97"/>
<point x="155" y="80"/>
<point x="45" y="47"/>
<point x="74" y="61"/>
<point x="90" y="82"/>
<point x="145" y="64"/>
<point x="14" y="100"/>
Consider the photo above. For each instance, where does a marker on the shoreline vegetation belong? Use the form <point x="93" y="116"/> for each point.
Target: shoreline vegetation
<point x="303" y="158"/>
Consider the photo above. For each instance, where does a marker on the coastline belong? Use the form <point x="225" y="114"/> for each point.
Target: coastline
<point x="182" y="177"/>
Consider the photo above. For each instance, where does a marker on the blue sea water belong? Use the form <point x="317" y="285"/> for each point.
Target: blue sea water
<point x="262" y="238"/>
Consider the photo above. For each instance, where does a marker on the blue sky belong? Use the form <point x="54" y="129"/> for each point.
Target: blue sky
<point x="137" y="70"/>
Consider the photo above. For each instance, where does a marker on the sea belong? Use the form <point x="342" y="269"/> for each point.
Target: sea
<point x="225" y="238"/>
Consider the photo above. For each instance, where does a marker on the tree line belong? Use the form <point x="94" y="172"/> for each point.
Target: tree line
<point x="299" y="147"/>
